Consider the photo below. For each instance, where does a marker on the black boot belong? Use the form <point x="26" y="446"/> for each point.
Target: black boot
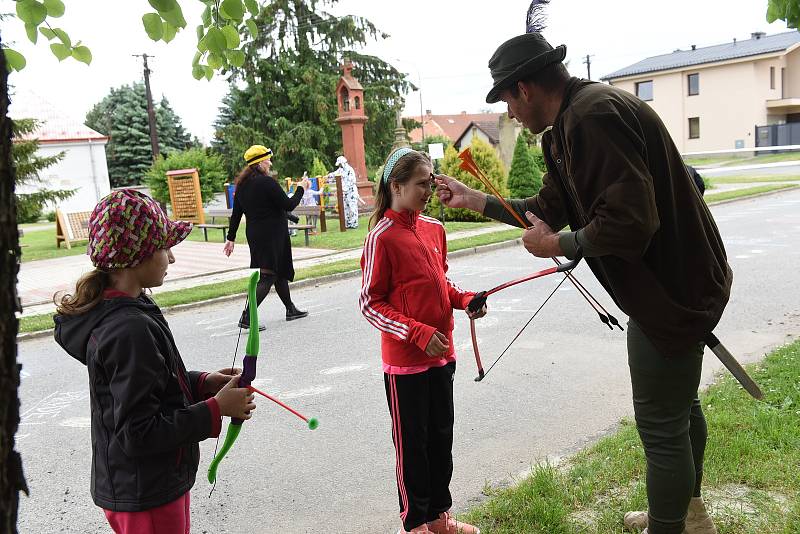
<point x="293" y="313"/>
<point x="244" y="322"/>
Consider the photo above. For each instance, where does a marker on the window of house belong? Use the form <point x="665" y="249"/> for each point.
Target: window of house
<point x="644" y="90"/>
<point x="694" y="84"/>
<point x="772" y="77"/>
<point x="783" y="82"/>
<point x="694" y="127"/>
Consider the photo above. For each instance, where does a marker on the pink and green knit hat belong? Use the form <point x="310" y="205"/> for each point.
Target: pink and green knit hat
<point x="127" y="227"/>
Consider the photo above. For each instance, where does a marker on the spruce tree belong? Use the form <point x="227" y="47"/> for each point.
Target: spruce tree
<point x="524" y="177"/>
<point x="284" y="94"/>
<point x="29" y="165"/>
<point x="122" y="115"/>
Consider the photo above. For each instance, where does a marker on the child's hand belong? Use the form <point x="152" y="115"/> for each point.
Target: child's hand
<point x="437" y="345"/>
<point x="234" y="401"/>
<point x="215" y="381"/>
<point x="478" y="314"/>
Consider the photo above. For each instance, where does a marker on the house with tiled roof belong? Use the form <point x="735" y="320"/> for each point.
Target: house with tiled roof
<point x="494" y="128"/>
<point x="83" y="166"/>
<point x="740" y="94"/>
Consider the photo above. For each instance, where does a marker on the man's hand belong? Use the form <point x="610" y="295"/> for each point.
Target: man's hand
<point x="454" y="194"/>
<point x="437" y="345"/>
<point x="539" y="239"/>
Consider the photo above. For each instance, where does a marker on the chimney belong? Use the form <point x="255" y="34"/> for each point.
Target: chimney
<point x="463" y="112"/>
<point x="428" y="112"/>
<point x="694" y="47"/>
<point x="734" y="41"/>
<point x="757" y="35"/>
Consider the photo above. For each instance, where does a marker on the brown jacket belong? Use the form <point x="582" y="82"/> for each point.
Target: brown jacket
<point x="614" y="171"/>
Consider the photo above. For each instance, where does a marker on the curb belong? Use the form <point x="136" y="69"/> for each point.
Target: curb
<point x="293" y="285"/>
<point x="748" y="197"/>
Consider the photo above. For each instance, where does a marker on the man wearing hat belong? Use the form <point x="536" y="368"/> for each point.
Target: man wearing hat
<point x="350" y="194"/>
<point x="616" y="178"/>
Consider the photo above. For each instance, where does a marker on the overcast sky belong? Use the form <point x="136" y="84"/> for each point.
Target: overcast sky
<point x="445" y="43"/>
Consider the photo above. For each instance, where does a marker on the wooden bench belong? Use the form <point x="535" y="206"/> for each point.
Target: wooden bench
<point x="304" y="227"/>
<point x="312" y="211"/>
<point x="205" y="227"/>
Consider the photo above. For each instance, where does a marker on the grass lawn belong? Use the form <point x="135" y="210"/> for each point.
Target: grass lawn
<point x="751" y="479"/>
<point x="728" y="160"/>
<point x="746" y="192"/>
<point x="42" y="246"/>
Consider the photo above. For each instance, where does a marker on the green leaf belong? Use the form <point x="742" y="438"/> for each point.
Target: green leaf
<point x="31" y="12"/>
<point x="251" y="25"/>
<point x="153" y="26"/>
<point x="214" y="61"/>
<point x="196" y="59"/>
<point x="252" y="7"/>
<point x="55" y="8"/>
<point x="61" y="51"/>
<point x="209" y="72"/>
<point x="63" y="37"/>
<point x="236" y="57"/>
<point x="47" y="32"/>
<point x="206" y="16"/>
<point x="169" y="32"/>
<point x="232" y="9"/>
<point x="231" y="36"/>
<point x="163" y="5"/>
<point x="14" y="60"/>
<point x="174" y="17"/>
<point x="200" y="31"/>
<point x="198" y="72"/>
<point x="33" y="33"/>
<point x="82" y="54"/>
<point x="215" y="40"/>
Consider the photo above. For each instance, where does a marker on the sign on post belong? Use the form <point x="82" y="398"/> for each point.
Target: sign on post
<point x="184" y="195"/>
<point x="71" y="226"/>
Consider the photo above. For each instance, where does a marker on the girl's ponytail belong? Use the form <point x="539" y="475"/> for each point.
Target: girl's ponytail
<point x="88" y="293"/>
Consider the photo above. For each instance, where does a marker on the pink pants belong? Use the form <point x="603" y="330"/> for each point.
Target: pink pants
<point x="170" y="518"/>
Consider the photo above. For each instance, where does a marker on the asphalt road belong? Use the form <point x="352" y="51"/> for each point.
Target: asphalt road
<point x="562" y="385"/>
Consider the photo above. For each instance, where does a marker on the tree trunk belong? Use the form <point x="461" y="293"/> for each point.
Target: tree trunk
<point x="12" y="479"/>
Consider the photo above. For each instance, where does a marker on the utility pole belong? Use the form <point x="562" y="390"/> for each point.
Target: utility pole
<point x="151" y="114"/>
<point x="588" y="63"/>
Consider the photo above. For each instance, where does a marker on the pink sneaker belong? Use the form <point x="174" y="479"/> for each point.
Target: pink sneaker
<point x="446" y="524"/>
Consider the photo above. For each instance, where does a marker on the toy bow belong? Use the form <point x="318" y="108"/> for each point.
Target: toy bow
<point x="247" y="377"/>
<point x="468" y="164"/>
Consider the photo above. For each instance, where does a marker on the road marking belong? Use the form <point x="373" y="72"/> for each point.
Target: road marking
<point x="77" y="422"/>
<point x="343" y="369"/>
<point x="305" y="392"/>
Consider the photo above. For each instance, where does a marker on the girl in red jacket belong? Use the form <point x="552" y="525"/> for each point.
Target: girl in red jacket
<point x="407" y="296"/>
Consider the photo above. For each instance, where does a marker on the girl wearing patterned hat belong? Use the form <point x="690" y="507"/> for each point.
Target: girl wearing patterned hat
<point x="148" y="413"/>
<point x="407" y="296"/>
<point x="265" y="204"/>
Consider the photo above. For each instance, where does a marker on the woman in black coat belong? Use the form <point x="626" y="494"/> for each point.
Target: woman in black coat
<point x="264" y="202"/>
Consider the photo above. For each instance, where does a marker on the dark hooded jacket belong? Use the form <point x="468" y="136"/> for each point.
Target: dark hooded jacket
<point x="614" y="173"/>
<point x="146" y="418"/>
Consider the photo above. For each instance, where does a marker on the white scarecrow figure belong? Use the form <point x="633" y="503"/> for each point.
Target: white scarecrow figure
<point x="349" y="191"/>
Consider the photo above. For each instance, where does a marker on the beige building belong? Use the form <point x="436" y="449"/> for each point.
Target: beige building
<point x="740" y="94"/>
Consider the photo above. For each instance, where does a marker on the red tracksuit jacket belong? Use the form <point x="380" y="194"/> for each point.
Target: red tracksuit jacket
<point x="405" y="292"/>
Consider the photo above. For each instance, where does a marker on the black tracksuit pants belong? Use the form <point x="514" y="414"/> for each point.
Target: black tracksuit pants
<point x="421" y="407"/>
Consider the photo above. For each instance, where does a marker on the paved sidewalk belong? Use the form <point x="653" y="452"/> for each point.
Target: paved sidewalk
<point x="196" y="263"/>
